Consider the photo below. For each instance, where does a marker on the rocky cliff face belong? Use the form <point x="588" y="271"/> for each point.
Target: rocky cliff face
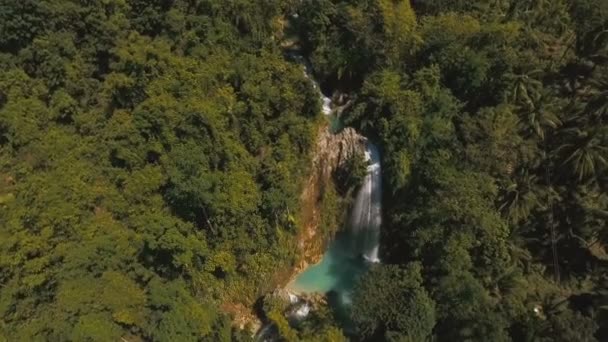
<point x="332" y="151"/>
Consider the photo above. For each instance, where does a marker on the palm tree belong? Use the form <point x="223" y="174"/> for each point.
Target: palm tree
<point x="584" y="153"/>
<point x="597" y="106"/>
<point x="524" y="88"/>
<point x="546" y="14"/>
<point x="541" y="114"/>
<point x="520" y="255"/>
<point x="542" y="117"/>
<point x="520" y="198"/>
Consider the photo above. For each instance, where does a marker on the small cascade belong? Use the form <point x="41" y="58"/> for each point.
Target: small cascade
<point x="302" y="311"/>
<point x="293" y="299"/>
<point x="326" y="107"/>
<point x="366" y="217"/>
<point x="350" y="253"/>
<point x="326" y="102"/>
<point x="300" y="307"/>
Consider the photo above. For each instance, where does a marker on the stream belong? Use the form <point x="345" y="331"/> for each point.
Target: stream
<point x="355" y="246"/>
<point x="353" y="249"/>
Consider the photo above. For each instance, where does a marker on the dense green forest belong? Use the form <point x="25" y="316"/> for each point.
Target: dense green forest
<point x="493" y="120"/>
<point x="152" y="154"/>
<point x="150" y="157"/>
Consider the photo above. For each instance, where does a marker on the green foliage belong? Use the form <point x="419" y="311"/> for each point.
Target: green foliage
<point x="333" y="208"/>
<point x="345" y="38"/>
<point x="350" y="176"/>
<point x="492" y="124"/>
<point x="391" y="301"/>
<point x="467" y="311"/>
<point x="320" y="325"/>
<point x="150" y="154"/>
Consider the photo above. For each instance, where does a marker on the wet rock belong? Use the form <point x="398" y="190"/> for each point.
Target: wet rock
<point x="285" y="296"/>
<point x="334" y="150"/>
<point x="331" y="152"/>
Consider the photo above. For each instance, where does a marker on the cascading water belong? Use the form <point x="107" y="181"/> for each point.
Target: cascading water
<point x="352" y="251"/>
<point x="326" y="102"/>
<point x="366" y="216"/>
<point x="356" y="246"/>
<point x="349" y="255"/>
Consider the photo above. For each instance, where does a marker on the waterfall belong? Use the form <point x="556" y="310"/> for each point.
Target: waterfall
<point x="366" y="216"/>
<point x="301" y="312"/>
<point x="326" y="102"/>
<point x="293" y="299"/>
<point x="349" y="255"/>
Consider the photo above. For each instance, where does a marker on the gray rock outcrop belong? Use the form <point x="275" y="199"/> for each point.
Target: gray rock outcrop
<point x="334" y="150"/>
<point x="331" y="152"/>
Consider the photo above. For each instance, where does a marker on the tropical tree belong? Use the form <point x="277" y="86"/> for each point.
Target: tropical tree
<point x="391" y="301"/>
<point x="524" y="88"/>
<point x="597" y="95"/>
<point x="583" y="153"/>
<point x="520" y="196"/>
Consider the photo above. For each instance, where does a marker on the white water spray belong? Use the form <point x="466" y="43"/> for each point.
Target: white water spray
<point x="326" y="102"/>
<point x="302" y="312"/>
<point x="293" y="299"/>
<point x="366" y="216"/>
<point x="365" y="220"/>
